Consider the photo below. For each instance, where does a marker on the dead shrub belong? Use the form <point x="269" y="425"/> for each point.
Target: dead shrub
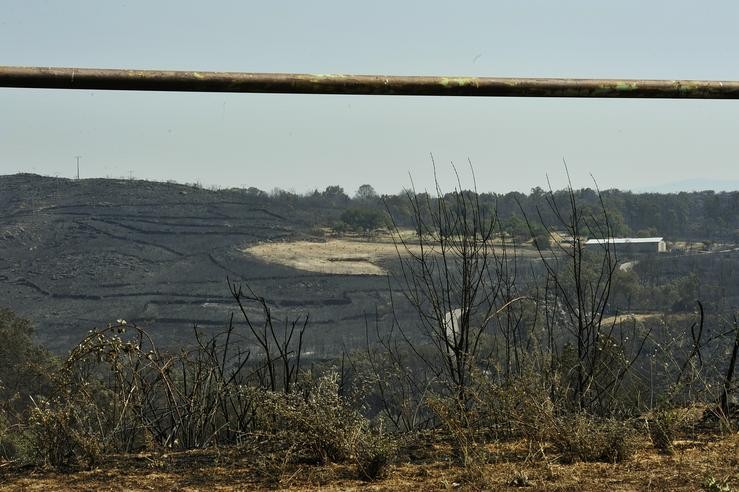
<point x="373" y="455"/>
<point x="317" y="423"/>
<point x="581" y="437"/>
<point x="532" y="414"/>
<point x="318" y="426"/>
<point x="457" y="418"/>
<point x="520" y="479"/>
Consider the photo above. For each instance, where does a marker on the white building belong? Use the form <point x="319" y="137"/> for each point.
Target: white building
<point x="630" y="244"/>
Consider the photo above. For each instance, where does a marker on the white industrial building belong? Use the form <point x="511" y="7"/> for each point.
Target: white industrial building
<point x="631" y="244"/>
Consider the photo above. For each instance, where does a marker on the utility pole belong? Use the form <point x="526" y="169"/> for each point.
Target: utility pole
<point x="78" y="157"/>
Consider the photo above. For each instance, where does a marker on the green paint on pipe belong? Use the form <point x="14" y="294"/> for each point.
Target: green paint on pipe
<point x="627" y="86"/>
<point x="459" y="81"/>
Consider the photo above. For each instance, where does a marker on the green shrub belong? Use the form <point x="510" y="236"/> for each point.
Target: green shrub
<point x="25" y="367"/>
<point x="26" y="370"/>
<point x="662" y="430"/>
<point x="576" y="435"/>
<point x="363" y="219"/>
<point x="711" y="484"/>
<point x="13" y="441"/>
<point x="61" y="437"/>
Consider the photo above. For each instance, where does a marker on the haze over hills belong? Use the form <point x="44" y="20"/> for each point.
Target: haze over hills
<point x="688" y="185"/>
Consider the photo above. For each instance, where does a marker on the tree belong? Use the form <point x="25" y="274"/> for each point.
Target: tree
<point x="254" y="191"/>
<point x="626" y="288"/>
<point x="335" y="195"/>
<point x="517" y="228"/>
<point x="25" y="367"/>
<point x="365" y="193"/>
<point x="455" y="280"/>
<point x="578" y="286"/>
<point x="362" y="219"/>
<point x="647" y="232"/>
<point x="541" y="237"/>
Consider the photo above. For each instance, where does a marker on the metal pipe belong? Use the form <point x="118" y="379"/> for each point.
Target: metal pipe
<point x="386" y="85"/>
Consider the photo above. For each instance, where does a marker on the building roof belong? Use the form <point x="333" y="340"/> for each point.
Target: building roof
<point x="625" y="240"/>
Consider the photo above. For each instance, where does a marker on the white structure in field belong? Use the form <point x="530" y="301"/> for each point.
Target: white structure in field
<point x="452" y="326"/>
<point x="630" y="244"/>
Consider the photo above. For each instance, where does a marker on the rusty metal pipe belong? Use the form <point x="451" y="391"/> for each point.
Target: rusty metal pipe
<point x="386" y="85"/>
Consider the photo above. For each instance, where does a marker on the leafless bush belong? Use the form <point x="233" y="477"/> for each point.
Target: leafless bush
<point x="392" y="376"/>
<point x="575" y="300"/>
<point x="118" y="390"/>
<point x="456" y="279"/>
<point x="280" y="351"/>
<point x="139" y="394"/>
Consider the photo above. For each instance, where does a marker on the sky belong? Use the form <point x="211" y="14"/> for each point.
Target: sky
<point x="306" y="142"/>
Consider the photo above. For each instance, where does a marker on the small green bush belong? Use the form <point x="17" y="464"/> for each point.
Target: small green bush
<point x="711" y="484"/>
<point x="26" y="368"/>
<point x="60" y="437"/>
<point x="317" y="424"/>
<point x="13" y="441"/>
<point x="662" y="430"/>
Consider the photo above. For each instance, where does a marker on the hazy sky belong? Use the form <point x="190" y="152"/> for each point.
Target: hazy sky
<point x="305" y="142"/>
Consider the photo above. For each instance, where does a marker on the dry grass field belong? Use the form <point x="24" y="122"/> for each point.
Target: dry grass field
<point x="349" y="255"/>
<point x="335" y="256"/>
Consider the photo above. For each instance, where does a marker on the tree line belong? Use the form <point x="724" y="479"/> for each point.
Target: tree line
<point x="690" y="216"/>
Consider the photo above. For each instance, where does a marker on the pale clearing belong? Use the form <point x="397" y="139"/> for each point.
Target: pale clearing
<point x="353" y="255"/>
<point x="336" y="256"/>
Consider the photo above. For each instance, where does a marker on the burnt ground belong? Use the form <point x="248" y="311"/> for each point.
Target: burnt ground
<point x="699" y="463"/>
<point x="80" y="254"/>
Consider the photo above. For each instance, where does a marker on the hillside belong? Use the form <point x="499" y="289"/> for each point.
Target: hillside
<point x="81" y="254"/>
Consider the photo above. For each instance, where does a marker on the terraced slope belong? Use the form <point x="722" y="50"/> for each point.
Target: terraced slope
<point x="79" y="254"/>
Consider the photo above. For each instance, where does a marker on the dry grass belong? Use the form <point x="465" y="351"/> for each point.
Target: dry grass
<point x="628" y="317"/>
<point x="631" y="317"/>
<point x="350" y="255"/>
<point x="336" y="256"/>
<point x="428" y="467"/>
